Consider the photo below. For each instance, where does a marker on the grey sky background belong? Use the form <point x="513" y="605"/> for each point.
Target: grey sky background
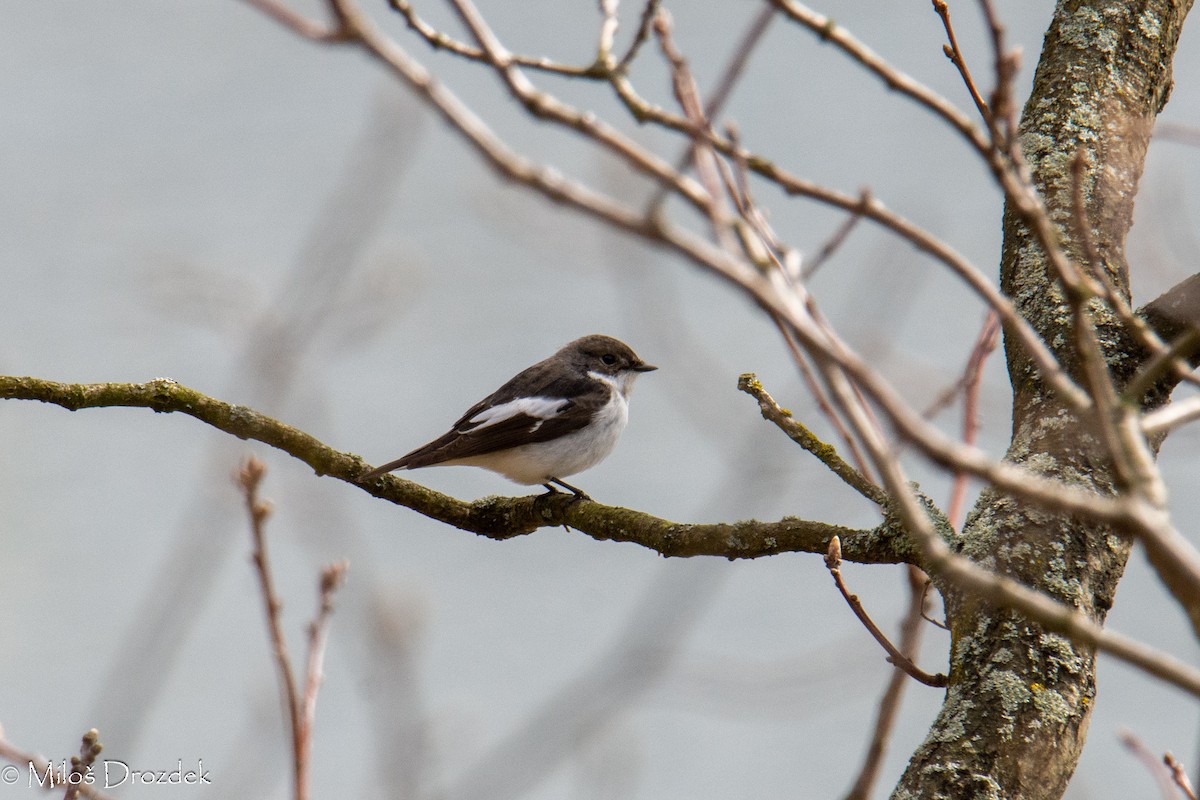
<point x="191" y="191"/>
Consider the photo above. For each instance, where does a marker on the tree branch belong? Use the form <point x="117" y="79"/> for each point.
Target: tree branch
<point x="899" y="659"/>
<point x="39" y="765"/>
<point x="494" y="517"/>
<point x="801" y="435"/>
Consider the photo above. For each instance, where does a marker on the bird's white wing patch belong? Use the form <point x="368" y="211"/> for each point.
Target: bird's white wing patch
<point x="540" y="408"/>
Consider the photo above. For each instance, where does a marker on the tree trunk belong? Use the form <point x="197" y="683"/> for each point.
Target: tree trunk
<point x="1016" y="713"/>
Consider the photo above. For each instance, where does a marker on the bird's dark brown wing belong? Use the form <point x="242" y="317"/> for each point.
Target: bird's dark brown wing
<point x="537" y="405"/>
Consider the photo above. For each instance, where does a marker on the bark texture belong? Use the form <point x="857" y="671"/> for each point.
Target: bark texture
<point x="1016" y="713"/>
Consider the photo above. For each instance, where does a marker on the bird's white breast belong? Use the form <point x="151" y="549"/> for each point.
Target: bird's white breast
<point x="567" y="455"/>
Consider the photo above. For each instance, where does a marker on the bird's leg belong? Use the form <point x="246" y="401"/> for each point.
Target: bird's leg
<point x="580" y="494"/>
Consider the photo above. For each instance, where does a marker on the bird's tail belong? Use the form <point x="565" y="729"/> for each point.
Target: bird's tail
<point x="399" y="463"/>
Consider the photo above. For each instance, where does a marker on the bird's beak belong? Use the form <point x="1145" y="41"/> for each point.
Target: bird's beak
<point x="643" y="368"/>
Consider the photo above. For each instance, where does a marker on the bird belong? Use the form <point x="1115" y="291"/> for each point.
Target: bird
<point x="559" y="417"/>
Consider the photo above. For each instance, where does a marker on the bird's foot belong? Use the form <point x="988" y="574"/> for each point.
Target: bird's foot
<point x="580" y="494"/>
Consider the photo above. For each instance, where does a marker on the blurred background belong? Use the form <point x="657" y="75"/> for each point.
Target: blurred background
<point x="192" y="191"/>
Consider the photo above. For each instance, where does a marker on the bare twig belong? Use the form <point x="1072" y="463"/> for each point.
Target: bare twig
<point x="835" y="241"/>
<point x="1179" y="775"/>
<point x="925" y="607"/>
<point x="889" y="703"/>
<point x="801" y="435"/>
<point x="1171" y="416"/>
<point x="249" y="477"/>
<point x="857" y="457"/>
<point x="1002" y="109"/>
<point x="40" y="766"/>
<point x="81" y="764"/>
<point x="833" y="560"/>
<point x="300" y="705"/>
<point x="955" y="54"/>
<point x="786" y="262"/>
<point x="759" y="241"/>
<point x="1177" y="132"/>
<point x="1170" y="359"/>
<point x="298" y="23"/>
<point x="442" y="41"/>
<point x="545" y="106"/>
<point x="699" y="152"/>
<point x="1162" y="774"/>
<point x="715" y="103"/>
<point x="649" y="12"/>
<point x="332" y="577"/>
<point x="972" y="382"/>
<point x="608" y="30"/>
<point x="829" y="31"/>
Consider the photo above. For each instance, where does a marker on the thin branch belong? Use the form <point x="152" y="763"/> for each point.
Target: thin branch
<point x="547" y="107"/>
<point x="1179" y="775"/>
<point x="40" y="766"/>
<point x="1157" y="768"/>
<point x="249" y="477"/>
<point x="829" y="31"/>
<point x="833" y="561"/>
<point x="442" y="41"/>
<point x="787" y="262"/>
<point x="1177" y="132"/>
<point x="699" y="152"/>
<point x="801" y="435"/>
<point x="81" y="764"/>
<point x="712" y="108"/>
<point x="332" y="578"/>
<point x="955" y="54"/>
<point x="925" y="607"/>
<point x="300" y="24"/>
<point x="1171" y="359"/>
<point x="649" y="12"/>
<point x="608" y="30"/>
<point x="971" y="383"/>
<point x="835" y="241"/>
<point x="818" y="393"/>
<point x="301" y="705"/>
<point x="758" y="240"/>
<point x="1162" y="356"/>
<point x="1007" y="64"/>
<point x="889" y="703"/>
<point x="1171" y="416"/>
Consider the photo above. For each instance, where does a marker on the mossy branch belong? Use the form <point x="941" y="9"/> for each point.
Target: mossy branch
<point x="494" y="517"/>
<point x="827" y="454"/>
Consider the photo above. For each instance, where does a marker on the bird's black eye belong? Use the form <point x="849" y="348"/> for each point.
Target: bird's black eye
<point x="609" y="359"/>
